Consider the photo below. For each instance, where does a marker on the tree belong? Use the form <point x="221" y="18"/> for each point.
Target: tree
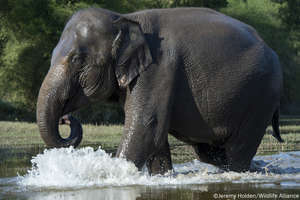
<point x="216" y="4"/>
<point x="29" y="32"/>
<point x="289" y="13"/>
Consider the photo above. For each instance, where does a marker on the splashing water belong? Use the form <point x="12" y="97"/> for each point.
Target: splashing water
<point x="86" y="167"/>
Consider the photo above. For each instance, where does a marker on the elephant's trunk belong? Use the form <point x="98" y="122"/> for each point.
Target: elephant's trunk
<point x="50" y="108"/>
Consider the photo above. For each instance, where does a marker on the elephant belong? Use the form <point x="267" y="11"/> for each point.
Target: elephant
<point x="205" y="78"/>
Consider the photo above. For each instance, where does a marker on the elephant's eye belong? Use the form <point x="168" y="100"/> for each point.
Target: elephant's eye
<point x="78" y="59"/>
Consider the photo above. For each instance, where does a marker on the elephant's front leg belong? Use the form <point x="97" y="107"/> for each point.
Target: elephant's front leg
<point x="145" y="134"/>
<point x="144" y="138"/>
<point x="148" y="107"/>
<point x="160" y="162"/>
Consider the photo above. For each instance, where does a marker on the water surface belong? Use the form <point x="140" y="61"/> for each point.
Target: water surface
<point x="86" y="173"/>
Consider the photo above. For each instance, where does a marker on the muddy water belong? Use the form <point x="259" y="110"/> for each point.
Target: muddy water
<point x="93" y="174"/>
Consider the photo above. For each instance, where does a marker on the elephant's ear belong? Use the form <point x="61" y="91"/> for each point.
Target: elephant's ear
<point x="130" y="51"/>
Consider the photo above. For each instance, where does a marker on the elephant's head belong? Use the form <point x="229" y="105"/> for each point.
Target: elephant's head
<point x="98" y="52"/>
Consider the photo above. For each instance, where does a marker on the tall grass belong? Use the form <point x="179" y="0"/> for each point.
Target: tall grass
<point x="20" y="137"/>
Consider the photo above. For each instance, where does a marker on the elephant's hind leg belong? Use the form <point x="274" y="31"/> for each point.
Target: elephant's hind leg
<point x="241" y="153"/>
<point x="211" y="154"/>
<point x="242" y="147"/>
<point x="160" y="162"/>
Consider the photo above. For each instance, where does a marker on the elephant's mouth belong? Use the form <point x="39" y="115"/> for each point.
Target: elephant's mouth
<point x="75" y="126"/>
<point x="66" y="110"/>
<point x="76" y="129"/>
<point x="65" y="120"/>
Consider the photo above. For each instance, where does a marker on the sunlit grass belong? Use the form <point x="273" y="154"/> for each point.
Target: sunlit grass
<point x="21" y="135"/>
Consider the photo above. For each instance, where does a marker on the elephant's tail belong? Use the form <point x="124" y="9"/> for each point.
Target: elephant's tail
<point x="275" y="125"/>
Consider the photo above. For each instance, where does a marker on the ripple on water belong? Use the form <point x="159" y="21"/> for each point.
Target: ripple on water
<point x="86" y="167"/>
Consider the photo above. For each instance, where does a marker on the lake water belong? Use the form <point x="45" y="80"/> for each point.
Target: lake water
<point x="86" y="173"/>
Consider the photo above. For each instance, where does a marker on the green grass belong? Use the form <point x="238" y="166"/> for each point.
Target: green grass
<point x="22" y="136"/>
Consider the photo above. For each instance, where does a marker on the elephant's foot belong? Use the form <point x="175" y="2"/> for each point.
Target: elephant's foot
<point x="239" y="157"/>
<point x="237" y="166"/>
<point x="160" y="163"/>
<point x="222" y="158"/>
<point x="212" y="155"/>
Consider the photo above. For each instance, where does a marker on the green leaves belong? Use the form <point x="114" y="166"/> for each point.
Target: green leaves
<point x="216" y="4"/>
<point x="267" y="18"/>
<point x="27" y="36"/>
<point x="30" y="29"/>
<point x="289" y="13"/>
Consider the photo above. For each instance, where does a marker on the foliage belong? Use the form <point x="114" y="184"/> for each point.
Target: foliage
<point x="12" y="113"/>
<point x="289" y="13"/>
<point x="30" y="29"/>
<point x="31" y="35"/>
<point x="264" y="16"/>
<point x="216" y="4"/>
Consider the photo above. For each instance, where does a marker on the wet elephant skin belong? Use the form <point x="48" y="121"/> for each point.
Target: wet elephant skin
<point x="204" y="77"/>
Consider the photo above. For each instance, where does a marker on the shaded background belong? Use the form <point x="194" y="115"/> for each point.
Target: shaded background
<point x="30" y="29"/>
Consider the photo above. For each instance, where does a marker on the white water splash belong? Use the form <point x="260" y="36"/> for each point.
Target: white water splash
<point x="80" y="168"/>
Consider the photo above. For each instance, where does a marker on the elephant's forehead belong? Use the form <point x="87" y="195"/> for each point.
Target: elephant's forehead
<point x="86" y="30"/>
<point x="83" y="29"/>
<point x="62" y="49"/>
<point x="87" y="19"/>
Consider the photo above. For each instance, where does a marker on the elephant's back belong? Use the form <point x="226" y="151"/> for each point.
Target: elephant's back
<point x="188" y="20"/>
<point x="209" y="36"/>
<point x="228" y="66"/>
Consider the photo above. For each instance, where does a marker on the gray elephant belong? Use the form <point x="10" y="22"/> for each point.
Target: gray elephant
<point x="199" y="75"/>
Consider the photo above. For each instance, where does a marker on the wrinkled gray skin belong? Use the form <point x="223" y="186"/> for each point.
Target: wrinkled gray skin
<point x="207" y="79"/>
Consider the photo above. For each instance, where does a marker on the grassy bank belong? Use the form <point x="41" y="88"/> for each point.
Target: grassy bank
<point x="21" y="137"/>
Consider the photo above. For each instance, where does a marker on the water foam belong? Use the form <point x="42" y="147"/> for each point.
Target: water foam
<point x="86" y="167"/>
